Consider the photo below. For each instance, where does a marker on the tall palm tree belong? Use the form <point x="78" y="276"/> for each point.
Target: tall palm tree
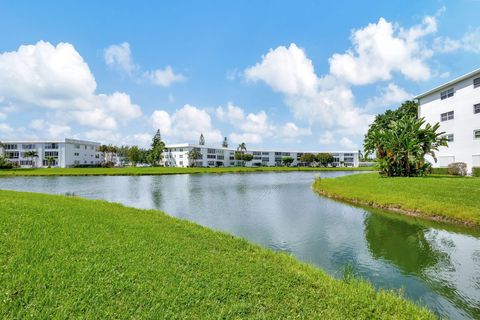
<point x="242" y="147"/>
<point x="31" y="155"/>
<point x="50" y="161"/>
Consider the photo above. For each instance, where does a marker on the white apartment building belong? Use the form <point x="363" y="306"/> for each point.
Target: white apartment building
<point x="66" y="153"/>
<point x="176" y="155"/>
<point x="456" y="106"/>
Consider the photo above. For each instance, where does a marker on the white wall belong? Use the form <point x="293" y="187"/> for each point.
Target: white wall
<point x="464" y="148"/>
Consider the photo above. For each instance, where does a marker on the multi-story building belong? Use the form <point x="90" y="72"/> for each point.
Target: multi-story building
<point x="65" y="153"/>
<point x="176" y="155"/>
<point x="456" y="106"/>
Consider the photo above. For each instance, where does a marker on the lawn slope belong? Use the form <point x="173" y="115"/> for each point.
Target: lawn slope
<point x="137" y="171"/>
<point x="66" y="257"/>
<point x="449" y="199"/>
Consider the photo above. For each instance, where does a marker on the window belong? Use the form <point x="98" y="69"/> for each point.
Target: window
<point x="476" y="134"/>
<point x="50" y="154"/>
<point x="256" y="153"/>
<point x="52" y="146"/>
<point x="10" y="146"/>
<point x="28" y="146"/>
<point x="181" y="163"/>
<point x="210" y="150"/>
<point x="180" y="156"/>
<point x="476" y="82"/>
<point x="476" y="108"/>
<point x="26" y="162"/>
<point x="76" y="154"/>
<point x="220" y="157"/>
<point x="446" y="94"/>
<point x="211" y="156"/>
<point x="77" y="146"/>
<point x="449" y="137"/>
<point x="11" y="154"/>
<point x="447" y="116"/>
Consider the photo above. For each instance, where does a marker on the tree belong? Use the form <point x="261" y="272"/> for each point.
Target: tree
<point x="287" y="161"/>
<point x="201" y="141"/>
<point x="225" y="143"/>
<point x="155" y="154"/>
<point x="31" y="155"/>
<point x="134" y="155"/>
<point x="247" y="157"/>
<point x="242" y="147"/>
<point x="401" y="141"/>
<point x="308" y="158"/>
<point x="193" y="155"/>
<point x="50" y="161"/>
<point x="325" y="159"/>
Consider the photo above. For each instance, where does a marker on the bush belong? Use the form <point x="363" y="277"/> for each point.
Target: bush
<point x="86" y="166"/>
<point x="457" y="169"/>
<point x="5" y="164"/>
<point x="108" y="164"/>
<point x="439" y="171"/>
<point x="476" y="171"/>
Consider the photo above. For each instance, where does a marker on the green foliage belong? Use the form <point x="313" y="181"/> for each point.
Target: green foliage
<point x="134" y="155"/>
<point x="476" y="171"/>
<point x="247" y="157"/>
<point x="445" y="197"/>
<point x="154" y="155"/>
<point x="67" y="257"/>
<point x="287" y="161"/>
<point x="324" y="158"/>
<point x="5" y="164"/>
<point x="401" y="141"/>
<point x="193" y="155"/>
<point x="443" y="171"/>
<point x="242" y="147"/>
<point x="308" y="158"/>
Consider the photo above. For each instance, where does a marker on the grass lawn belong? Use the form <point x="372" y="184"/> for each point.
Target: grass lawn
<point x="446" y="198"/>
<point x="66" y="257"/>
<point x="154" y="171"/>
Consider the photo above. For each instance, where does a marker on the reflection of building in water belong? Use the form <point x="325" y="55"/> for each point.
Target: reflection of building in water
<point x="432" y="255"/>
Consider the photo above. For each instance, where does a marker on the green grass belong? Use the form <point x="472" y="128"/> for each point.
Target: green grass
<point x="445" y="198"/>
<point x="66" y="257"/>
<point x="154" y="171"/>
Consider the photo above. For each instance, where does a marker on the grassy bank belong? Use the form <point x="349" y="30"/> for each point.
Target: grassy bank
<point x="444" y="198"/>
<point x="66" y="257"/>
<point x="132" y="171"/>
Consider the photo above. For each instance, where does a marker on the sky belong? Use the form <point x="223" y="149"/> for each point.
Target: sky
<point x="307" y="75"/>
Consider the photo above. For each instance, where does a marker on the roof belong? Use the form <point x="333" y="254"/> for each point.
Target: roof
<point x="186" y="145"/>
<point x="449" y="83"/>
<point x="66" y="140"/>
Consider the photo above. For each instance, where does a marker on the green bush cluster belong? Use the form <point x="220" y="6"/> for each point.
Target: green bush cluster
<point x="440" y="171"/>
<point x="476" y="171"/>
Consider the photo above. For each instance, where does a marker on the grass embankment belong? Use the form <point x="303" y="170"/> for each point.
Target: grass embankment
<point x="444" y="198"/>
<point x="133" y="171"/>
<point x="66" y="257"/>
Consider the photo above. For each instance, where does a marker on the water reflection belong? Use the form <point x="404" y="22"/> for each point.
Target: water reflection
<point x="437" y="266"/>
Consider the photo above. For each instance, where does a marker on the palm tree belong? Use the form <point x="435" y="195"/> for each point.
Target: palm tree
<point x="50" y="161"/>
<point x="193" y="155"/>
<point x="31" y="155"/>
<point x="242" y="147"/>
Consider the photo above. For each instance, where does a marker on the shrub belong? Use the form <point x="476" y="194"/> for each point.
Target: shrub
<point x="457" y="169"/>
<point x="5" y="164"/>
<point x="108" y="164"/>
<point x="439" y="171"/>
<point x="476" y="171"/>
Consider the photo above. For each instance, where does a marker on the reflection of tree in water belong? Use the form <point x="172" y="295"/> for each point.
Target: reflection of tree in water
<point x="402" y="243"/>
<point x="406" y="246"/>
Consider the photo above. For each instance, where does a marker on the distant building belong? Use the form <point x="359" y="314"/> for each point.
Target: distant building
<point x="176" y="155"/>
<point x="66" y="153"/>
<point x="456" y="106"/>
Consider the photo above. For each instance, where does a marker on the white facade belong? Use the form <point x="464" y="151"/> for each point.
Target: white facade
<point x="456" y="106"/>
<point x="67" y="153"/>
<point x="176" y="155"/>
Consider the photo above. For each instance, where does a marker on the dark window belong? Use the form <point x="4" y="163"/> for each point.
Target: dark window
<point x="476" y="108"/>
<point x="449" y="137"/>
<point x="476" y="134"/>
<point x="446" y="94"/>
<point x="447" y="116"/>
<point x="476" y="82"/>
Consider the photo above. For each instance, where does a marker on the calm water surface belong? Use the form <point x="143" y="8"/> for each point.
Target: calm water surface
<point x="436" y="265"/>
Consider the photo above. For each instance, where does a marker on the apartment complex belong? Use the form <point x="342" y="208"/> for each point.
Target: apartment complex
<point x="176" y="155"/>
<point x="65" y="153"/>
<point x="456" y="106"/>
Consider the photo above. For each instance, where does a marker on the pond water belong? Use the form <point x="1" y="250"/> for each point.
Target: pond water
<point x="436" y="265"/>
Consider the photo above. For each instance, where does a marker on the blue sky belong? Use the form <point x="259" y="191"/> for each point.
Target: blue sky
<point x="304" y="74"/>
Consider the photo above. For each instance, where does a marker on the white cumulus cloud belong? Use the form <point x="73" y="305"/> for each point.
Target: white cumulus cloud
<point x="164" y="77"/>
<point x="120" y="56"/>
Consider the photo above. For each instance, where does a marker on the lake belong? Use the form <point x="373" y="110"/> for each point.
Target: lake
<point x="436" y="265"/>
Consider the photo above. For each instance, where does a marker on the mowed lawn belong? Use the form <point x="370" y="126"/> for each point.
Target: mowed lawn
<point x="448" y="198"/>
<point x="66" y="257"/>
<point x="156" y="170"/>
